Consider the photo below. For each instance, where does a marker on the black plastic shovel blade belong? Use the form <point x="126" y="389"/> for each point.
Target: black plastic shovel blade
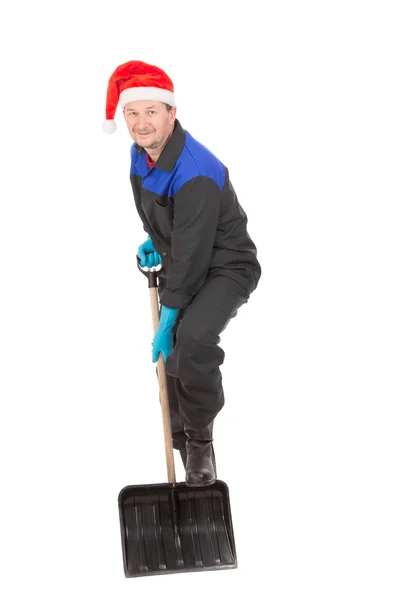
<point x="172" y="528"/>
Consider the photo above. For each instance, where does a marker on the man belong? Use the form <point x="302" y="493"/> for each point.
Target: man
<point x="198" y="230"/>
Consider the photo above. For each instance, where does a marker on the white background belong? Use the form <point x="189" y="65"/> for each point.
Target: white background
<point x="301" y="102"/>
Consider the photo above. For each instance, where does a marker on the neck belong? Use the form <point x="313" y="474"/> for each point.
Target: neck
<point x="154" y="154"/>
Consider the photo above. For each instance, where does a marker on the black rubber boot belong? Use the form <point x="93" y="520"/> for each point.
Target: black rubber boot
<point x="200" y="464"/>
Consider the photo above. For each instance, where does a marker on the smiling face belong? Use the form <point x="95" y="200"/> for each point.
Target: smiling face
<point x="150" y="124"/>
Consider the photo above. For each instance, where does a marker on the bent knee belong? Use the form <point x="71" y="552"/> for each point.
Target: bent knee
<point x="192" y="333"/>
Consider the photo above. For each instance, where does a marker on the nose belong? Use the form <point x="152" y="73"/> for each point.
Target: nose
<point x="141" y="122"/>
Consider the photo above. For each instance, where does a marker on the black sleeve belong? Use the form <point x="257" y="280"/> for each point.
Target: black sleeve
<point x="196" y="212"/>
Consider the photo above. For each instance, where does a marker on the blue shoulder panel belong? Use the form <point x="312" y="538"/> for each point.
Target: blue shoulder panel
<point x="197" y="161"/>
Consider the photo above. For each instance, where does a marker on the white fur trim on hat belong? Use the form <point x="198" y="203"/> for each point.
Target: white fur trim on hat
<point x="146" y="93"/>
<point x="109" y="126"/>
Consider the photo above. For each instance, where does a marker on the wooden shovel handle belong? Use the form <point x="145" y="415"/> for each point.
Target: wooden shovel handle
<point x="162" y="381"/>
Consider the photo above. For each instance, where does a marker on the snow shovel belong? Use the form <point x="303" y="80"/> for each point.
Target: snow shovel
<point x="170" y="527"/>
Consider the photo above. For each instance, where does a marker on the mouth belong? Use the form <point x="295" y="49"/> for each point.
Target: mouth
<point x="144" y="134"/>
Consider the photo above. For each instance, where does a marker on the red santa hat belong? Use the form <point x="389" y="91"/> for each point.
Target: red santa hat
<point x="136" y="80"/>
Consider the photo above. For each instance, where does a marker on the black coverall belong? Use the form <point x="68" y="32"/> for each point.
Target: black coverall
<point x="189" y="208"/>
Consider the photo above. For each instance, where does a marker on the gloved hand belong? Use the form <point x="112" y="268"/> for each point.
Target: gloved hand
<point x="148" y="255"/>
<point x="163" y="340"/>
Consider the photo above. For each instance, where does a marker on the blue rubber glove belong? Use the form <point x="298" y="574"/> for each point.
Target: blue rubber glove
<point x="163" y="340"/>
<point x="148" y="255"/>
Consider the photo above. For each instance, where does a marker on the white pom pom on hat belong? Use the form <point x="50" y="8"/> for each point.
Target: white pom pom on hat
<point x="109" y="126"/>
<point x="136" y="80"/>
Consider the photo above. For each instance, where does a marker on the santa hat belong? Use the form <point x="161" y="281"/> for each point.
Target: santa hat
<point x="136" y="80"/>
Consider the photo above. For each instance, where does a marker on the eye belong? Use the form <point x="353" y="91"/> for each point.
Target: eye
<point x="152" y="112"/>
